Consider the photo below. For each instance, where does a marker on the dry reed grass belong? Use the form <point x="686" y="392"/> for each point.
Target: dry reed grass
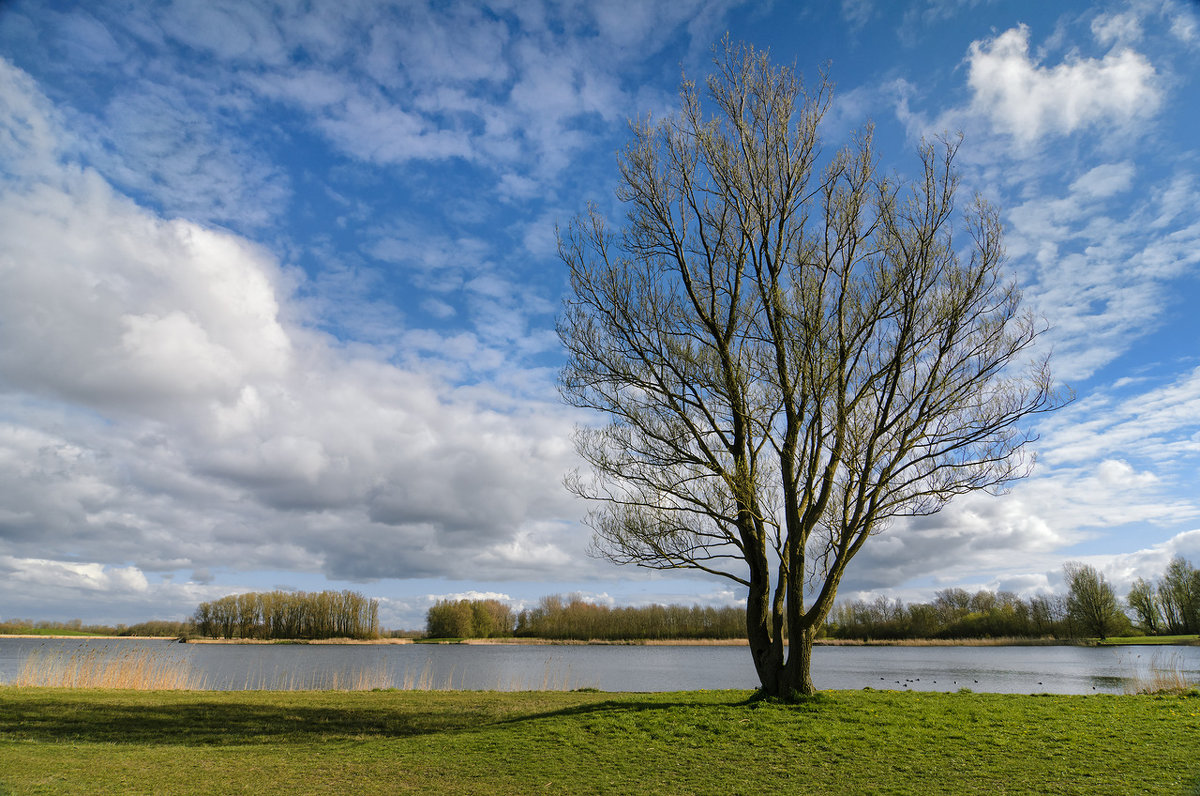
<point x="553" y="678"/>
<point x="312" y="642"/>
<point x="159" y="670"/>
<point x="1166" y="675"/>
<point x="96" y="667"/>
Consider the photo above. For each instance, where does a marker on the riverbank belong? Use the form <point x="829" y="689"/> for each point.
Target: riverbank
<point x="644" y="642"/>
<point x="345" y="641"/>
<point x="84" y="636"/>
<point x="80" y="741"/>
<point x="832" y="642"/>
<point x="735" y="642"/>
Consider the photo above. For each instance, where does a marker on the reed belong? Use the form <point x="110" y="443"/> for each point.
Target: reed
<point x="138" y="670"/>
<point x="160" y="670"/>
<point x="1166" y="675"/>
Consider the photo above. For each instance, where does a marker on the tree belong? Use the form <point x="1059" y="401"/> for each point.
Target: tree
<point x="1092" y="607"/>
<point x="1179" y="597"/>
<point x="450" y="619"/>
<point x="1144" y="604"/>
<point x="789" y="356"/>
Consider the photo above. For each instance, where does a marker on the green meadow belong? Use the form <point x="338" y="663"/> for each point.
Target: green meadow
<point x="720" y="742"/>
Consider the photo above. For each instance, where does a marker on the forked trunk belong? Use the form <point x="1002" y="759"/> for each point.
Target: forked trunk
<point x="783" y="672"/>
<point x="787" y="680"/>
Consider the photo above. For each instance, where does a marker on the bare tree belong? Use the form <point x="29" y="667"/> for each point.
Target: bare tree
<point x="789" y="354"/>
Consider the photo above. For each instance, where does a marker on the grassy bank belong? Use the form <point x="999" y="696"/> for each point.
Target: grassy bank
<point x="73" y="741"/>
<point x="1149" y="641"/>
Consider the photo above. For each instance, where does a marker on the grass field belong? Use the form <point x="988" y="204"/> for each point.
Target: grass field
<point x="83" y="741"/>
<point x="1149" y="641"/>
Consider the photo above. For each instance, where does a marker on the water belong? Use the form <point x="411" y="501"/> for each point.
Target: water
<point x="1014" y="670"/>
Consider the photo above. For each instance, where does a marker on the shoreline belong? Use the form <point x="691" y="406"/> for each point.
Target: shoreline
<point x="301" y="641"/>
<point x="86" y="635"/>
<point x="732" y="642"/>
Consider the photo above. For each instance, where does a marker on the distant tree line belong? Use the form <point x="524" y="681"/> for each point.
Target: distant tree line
<point x="1090" y="609"/>
<point x="576" y="619"/>
<point x="283" y="615"/>
<point x="953" y="614"/>
<point x="155" y="627"/>
<point x="1172" y="605"/>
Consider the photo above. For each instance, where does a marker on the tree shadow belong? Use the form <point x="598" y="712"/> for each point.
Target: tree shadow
<point x="215" y="722"/>
<point x="195" y="721"/>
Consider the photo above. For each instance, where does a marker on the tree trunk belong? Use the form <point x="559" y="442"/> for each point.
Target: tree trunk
<point x="798" y="671"/>
<point x="767" y="655"/>
<point x="785" y="680"/>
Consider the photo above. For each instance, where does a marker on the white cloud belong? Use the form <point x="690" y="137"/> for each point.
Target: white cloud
<point x="1124" y="28"/>
<point x="857" y="12"/>
<point x="164" y="406"/>
<point x="37" y="588"/>
<point x="1158" y="425"/>
<point x="225" y="28"/>
<point x="1100" y="258"/>
<point x="80" y="577"/>
<point x="108" y="305"/>
<point x="1103" y="181"/>
<point x="1184" y="26"/>
<point x="1030" y="101"/>
<point x="29" y="140"/>
<point x="170" y="143"/>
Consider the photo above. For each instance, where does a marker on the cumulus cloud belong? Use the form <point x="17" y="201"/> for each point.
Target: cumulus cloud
<point x="37" y="588"/>
<point x="1030" y="100"/>
<point x="987" y="539"/>
<point x="163" y="404"/>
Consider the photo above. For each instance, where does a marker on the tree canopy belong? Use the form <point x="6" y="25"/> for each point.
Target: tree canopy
<point x="791" y="350"/>
<point x="1092" y="607"/>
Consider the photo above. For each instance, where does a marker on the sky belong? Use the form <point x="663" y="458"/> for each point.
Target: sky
<point x="278" y="285"/>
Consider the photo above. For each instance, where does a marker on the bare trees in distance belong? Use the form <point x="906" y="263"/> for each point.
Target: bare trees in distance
<point x="289" y="615"/>
<point x="790" y="350"/>
<point x="574" y="618"/>
<point x="1173" y="605"/>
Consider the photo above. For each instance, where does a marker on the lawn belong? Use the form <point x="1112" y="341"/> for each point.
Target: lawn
<point x="1149" y="640"/>
<point x="82" y="741"/>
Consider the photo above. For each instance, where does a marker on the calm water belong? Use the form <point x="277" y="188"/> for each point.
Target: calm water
<point x="1016" y="670"/>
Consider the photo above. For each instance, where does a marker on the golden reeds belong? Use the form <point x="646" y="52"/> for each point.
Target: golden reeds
<point x="1165" y="676"/>
<point x="160" y="670"/>
<point x="97" y="667"/>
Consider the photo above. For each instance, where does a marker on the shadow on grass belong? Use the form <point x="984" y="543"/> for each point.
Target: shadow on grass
<point x="217" y="723"/>
<point x="56" y="718"/>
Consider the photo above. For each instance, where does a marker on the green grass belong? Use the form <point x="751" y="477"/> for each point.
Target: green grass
<point x="1148" y="640"/>
<point x="78" y="741"/>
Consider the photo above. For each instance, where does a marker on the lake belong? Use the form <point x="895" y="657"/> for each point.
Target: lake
<point x="1013" y="670"/>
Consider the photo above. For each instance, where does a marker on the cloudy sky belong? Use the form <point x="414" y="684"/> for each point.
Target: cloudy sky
<point x="278" y="284"/>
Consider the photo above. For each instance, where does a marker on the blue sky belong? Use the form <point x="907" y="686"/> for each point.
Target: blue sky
<point x="278" y="284"/>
